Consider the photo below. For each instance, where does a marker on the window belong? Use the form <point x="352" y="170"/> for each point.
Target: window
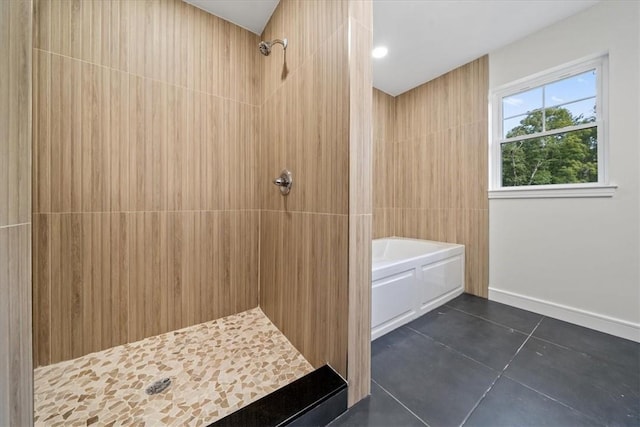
<point x="548" y="134"/>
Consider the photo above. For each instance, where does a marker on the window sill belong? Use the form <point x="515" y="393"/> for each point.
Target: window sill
<point x="583" y="191"/>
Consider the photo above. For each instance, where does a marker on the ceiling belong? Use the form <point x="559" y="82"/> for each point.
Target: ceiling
<point x="425" y="38"/>
<point x="251" y="15"/>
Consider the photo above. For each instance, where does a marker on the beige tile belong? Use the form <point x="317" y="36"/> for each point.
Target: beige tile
<point x="214" y="367"/>
<point x="435" y="175"/>
<point x="16" y="392"/>
<point x="359" y="350"/>
<point x="313" y="279"/>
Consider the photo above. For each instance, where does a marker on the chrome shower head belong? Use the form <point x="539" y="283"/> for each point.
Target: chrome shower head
<point x="265" y="47"/>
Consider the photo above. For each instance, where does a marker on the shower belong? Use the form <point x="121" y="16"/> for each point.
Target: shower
<point x="265" y="47"/>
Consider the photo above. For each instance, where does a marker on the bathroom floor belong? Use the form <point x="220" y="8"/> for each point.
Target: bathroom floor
<point x="214" y="367"/>
<point x="475" y="362"/>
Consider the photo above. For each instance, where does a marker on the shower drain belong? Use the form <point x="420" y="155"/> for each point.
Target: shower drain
<point x="159" y="386"/>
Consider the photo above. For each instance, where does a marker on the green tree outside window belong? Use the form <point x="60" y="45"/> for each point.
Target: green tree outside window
<point x="563" y="158"/>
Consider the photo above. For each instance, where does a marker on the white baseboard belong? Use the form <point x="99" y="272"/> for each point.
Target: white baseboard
<point x="610" y="325"/>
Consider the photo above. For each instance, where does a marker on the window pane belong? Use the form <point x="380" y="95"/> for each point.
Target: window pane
<point x="575" y="113"/>
<point x="570" y="89"/>
<point x="522" y="125"/>
<point x="522" y="102"/>
<point x="566" y="158"/>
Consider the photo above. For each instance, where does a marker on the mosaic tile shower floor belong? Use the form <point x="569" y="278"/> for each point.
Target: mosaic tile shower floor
<point x="215" y="368"/>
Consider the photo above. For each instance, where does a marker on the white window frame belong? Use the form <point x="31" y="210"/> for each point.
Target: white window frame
<point x="602" y="188"/>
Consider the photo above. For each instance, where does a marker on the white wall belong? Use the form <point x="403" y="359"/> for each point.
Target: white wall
<point x="577" y="259"/>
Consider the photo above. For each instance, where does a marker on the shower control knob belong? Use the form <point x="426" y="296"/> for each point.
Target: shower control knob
<point x="284" y="181"/>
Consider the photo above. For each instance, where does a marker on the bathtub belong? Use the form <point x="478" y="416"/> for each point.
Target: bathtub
<point x="410" y="278"/>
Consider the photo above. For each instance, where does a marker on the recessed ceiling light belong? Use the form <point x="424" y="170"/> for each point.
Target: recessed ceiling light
<point x="379" y="52"/>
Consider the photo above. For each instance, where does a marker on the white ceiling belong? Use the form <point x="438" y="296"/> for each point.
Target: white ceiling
<point x="252" y="15"/>
<point x="425" y="38"/>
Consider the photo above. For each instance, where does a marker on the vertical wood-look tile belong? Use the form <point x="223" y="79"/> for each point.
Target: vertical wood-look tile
<point x="359" y="347"/>
<point x="177" y="131"/>
<point x="175" y="243"/>
<point x="96" y="138"/>
<point x="360" y="116"/>
<point x="5" y="325"/>
<point x="314" y="280"/>
<point x="16" y="387"/>
<point x="383" y="135"/>
<point x="65" y="134"/>
<point x="67" y="287"/>
<point x="148" y="144"/>
<point x="41" y="131"/>
<point x="360" y="200"/>
<point x="5" y="115"/>
<point x="41" y="24"/>
<point x="214" y="160"/>
<point x="15" y="113"/>
<point x="244" y="254"/>
<point x="116" y="315"/>
<point x="117" y="143"/>
<point x="16" y="391"/>
<point x="116" y="150"/>
<point x="441" y="166"/>
<point x="147" y="283"/>
<point x="41" y="289"/>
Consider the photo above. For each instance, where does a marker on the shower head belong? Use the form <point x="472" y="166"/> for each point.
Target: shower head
<point x="265" y="47"/>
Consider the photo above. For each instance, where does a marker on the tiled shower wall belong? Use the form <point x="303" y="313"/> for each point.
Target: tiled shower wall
<point x="430" y="173"/>
<point x="305" y="128"/>
<point x="158" y="131"/>
<point x="145" y="155"/>
<point x="16" y="375"/>
<point x="315" y="242"/>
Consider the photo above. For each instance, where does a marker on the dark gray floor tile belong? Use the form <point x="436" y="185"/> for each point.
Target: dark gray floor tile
<point x="511" y="404"/>
<point x="612" y="349"/>
<point x="521" y="320"/>
<point x="590" y="385"/>
<point x="379" y="409"/>
<point x="436" y="383"/>
<point x="485" y="342"/>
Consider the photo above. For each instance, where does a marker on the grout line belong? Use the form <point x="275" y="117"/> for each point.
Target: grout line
<point x="305" y="60"/>
<point x="550" y="398"/>
<point x="491" y="321"/>
<point x="501" y="374"/>
<point x="199" y="211"/>
<point x="148" y="78"/>
<point x="3" y="227"/>
<point x="401" y="404"/>
<point x="422" y="334"/>
<point x="560" y="345"/>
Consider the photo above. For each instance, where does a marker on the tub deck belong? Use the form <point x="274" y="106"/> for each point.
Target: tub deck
<point x="215" y="368"/>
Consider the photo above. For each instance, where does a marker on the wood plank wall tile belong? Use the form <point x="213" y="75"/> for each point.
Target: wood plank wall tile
<point x="146" y="116"/>
<point x="16" y="385"/>
<point x="122" y="277"/>
<point x="304" y="126"/>
<point x="439" y="166"/>
<point x="359" y="350"/>
<point x="15" y="114"/>
<point x="309" y="126"/>
<point x="308" y="25"/>
<point x="384" y="152"/>
<point x="360" y="198"/>
<point x="304" y="264"/>
<point x="16" y="374"/>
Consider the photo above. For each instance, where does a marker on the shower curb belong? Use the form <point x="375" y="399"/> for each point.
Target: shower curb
<point x="313" y="400"/>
